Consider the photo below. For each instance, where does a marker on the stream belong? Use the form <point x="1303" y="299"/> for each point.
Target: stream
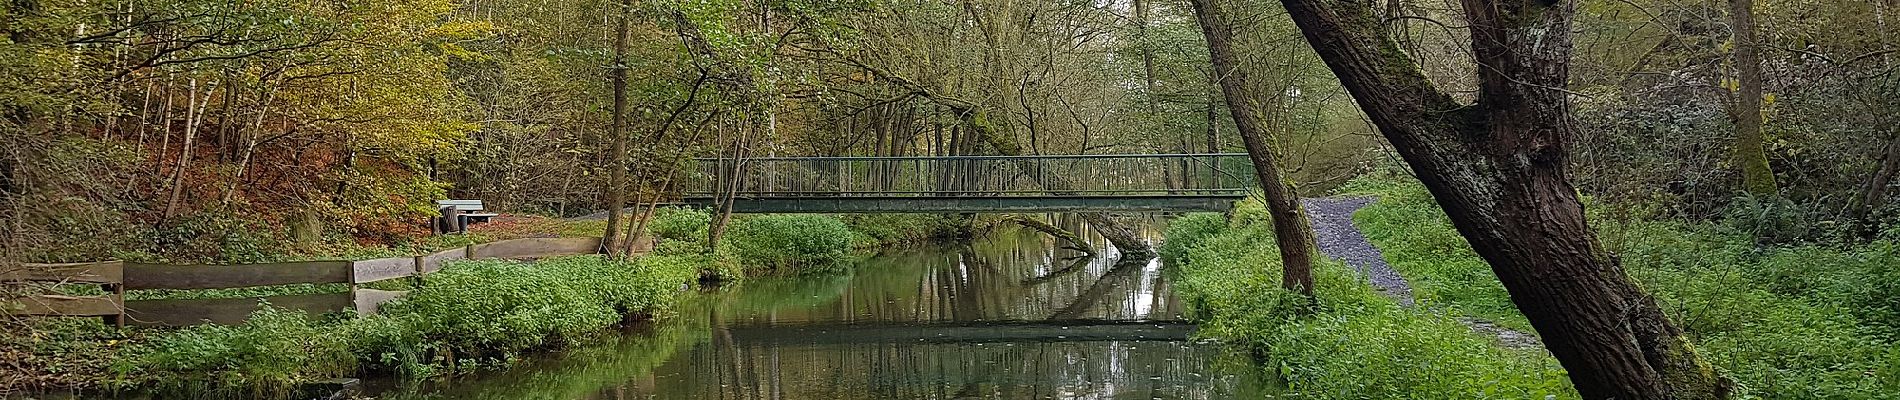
<point x="1008" y="316"/>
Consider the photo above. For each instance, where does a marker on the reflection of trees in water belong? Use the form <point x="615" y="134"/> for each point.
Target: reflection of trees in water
<point x="899" y="326"/>
<point x="763" y="370"/>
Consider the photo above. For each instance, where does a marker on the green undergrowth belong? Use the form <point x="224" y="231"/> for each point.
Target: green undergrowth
<point x="471" y="315"/>
<point x="1352" y="341"/>
<point x="1806" y="321"/>
<point x="1442" y="269"/>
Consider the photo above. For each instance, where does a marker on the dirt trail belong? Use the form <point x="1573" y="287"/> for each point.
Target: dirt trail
<point x="1340" y="239"/>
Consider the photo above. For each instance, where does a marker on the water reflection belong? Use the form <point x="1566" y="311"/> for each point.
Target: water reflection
<point x="1011" y="316"/>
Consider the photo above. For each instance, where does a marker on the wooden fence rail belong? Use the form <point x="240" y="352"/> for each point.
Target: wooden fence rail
<point x="116" y="277"/>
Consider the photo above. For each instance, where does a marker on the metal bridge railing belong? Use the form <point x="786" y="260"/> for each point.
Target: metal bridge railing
<point x="1024" y="176"/>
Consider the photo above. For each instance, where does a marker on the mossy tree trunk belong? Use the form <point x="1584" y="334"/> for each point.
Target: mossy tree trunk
<point x="1498" y="168"/>
<point x="1292" y="231"/>
<point x="1758" y="179"/>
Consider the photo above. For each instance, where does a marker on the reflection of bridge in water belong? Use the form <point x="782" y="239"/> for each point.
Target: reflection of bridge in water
<point x="1128" y="182"/>
<point x="1010" y="316"/>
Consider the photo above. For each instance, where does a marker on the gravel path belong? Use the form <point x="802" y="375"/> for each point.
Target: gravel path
<point x="1339" y="239"/>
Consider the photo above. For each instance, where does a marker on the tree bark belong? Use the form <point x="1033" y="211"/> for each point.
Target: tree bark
<point x="1873" y="193"/>
<point x="617" y="159"/>
<point x="1498" y="168"/>
<point x="1292" y="231"/>
<point x="1758" y="179"/>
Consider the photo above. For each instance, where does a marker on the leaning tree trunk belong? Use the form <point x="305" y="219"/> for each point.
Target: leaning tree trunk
<point x="1291" y="229"/>
<point x="1498" y="168"/>
<point x="1758" y="178"/>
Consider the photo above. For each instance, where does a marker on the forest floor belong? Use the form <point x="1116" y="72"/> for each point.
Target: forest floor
<point x="1340" y="239"/>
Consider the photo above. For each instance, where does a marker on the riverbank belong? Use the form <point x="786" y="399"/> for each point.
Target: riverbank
<point x="1354" y="341"/>
<point x="1010" y="314"/>
<point x="1790" y="321"/>
<point x="477" y="314"/>
<point x="1797" y="321"/>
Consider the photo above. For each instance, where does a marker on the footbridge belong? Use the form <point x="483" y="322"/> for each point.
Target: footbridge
<point x="1053" y="183"/>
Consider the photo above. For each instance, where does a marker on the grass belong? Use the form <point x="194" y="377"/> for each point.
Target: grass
<point x="1791" y="322"/>
<point x="1353" y="342"/>
<point x="1442" y="269"/>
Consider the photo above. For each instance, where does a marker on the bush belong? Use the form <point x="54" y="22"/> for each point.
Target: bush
<point x="497" y="308"/>
<point x="266" y="356"/>
<point x="680" y="224"/>
<point x="469" y="313"/>
<point x="790" y="241"/>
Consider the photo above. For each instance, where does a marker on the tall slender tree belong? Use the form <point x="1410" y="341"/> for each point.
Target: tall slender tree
<point x="1758" y="179"/>
<point x="1498" y="167"/>
<point x="1250" y="103"/>
<point x="617" y="158"/>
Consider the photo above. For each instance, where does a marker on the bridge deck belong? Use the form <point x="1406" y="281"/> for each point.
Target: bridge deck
<point x="1143" y="182"/>
<point x="947" y="204"/>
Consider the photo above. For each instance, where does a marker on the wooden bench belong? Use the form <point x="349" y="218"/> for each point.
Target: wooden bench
<point x="463" y="212"/>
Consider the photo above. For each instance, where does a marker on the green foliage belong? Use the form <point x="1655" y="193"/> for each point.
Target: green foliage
<point x="499" y="308"/>
<point x="1791" y="322"/>
<point x="884" y="230"/>
<point x="1355" y="342"/>
<point x="470" y="313"/>
<point x="1773" y="219"/>
<point x="680" y="224"/>
<point x="790" y="241"/>
<point x="266" y="356"/>
<point x="221" y="237"/>
<point x="1408" y="227"/>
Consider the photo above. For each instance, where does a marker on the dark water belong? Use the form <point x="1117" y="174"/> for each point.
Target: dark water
<point x="1007" y="317"/>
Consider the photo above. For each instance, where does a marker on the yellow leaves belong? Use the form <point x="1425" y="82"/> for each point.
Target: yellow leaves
<point x="1768" y="100"/>
<point x="454" y="30"/>
<point x="455" y="50"/>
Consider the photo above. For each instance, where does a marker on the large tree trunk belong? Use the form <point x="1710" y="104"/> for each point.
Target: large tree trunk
<point x="1757" y="178"/>
<point x="1291" y="229"/>
<point x="617" y="159"/>
<point x="1498" y="168"/>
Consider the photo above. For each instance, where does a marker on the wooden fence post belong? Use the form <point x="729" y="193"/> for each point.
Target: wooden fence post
<point x="420" y="269"/>
<point x="118" y="297"/>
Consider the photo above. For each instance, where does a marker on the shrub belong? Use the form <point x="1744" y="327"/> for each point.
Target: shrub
<point x="498" y="307"/>
<point x="267" y="355"/>
<point x="680" y="224"/>
<point x="780" y="241"/>
<point x="470" y="312"/>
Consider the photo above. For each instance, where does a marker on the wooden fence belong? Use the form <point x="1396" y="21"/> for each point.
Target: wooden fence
<point x="116" y="277"/>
